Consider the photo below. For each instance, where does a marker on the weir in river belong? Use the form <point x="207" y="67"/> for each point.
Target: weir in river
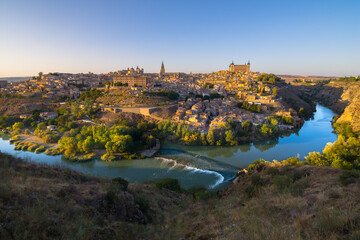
<point x="209" y="166"/>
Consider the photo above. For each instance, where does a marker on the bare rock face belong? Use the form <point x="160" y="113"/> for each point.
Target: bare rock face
<point x="352" y="111"/>
<point x="294" y="97"/>
<point x="239" y="175"/>
<point x="330" y="96"/>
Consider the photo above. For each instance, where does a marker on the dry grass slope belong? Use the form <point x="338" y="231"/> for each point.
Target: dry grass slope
<point x="41" y="202"/>
<point x="269" y="202"/>
<point x="300" y="202"/>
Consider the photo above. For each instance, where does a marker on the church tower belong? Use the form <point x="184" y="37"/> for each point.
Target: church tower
<point x="162" y="70"/>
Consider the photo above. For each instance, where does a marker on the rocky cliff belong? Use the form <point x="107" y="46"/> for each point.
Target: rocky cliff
<point x="341" y="97"/>
<point x="350" y="97"/>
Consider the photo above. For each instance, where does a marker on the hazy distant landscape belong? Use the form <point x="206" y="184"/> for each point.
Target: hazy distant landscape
<point x="14" y="79"/>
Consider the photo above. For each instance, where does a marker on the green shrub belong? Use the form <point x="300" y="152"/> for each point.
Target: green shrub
<point x="107" y="157"/>
<point x="122" y="183"/>
<point x="129" y="156"/>
<point x="144" y="204"/>
<point x="15" y="138"/>
<point x="169" y="183"/>
<point x="272" y="171"/>
<point x="111" y="196"/>
<point x="32" y="147"/>
<point x="24" y="147"/>
<point x="257" y="164"/>
<point x="53" y="151"/>
<point x="334" y="194"/>
<point x="348" y="177"/>
<point x="250" y="191"/>
<point x="257" y="181"/>
<point x="200" y="193"/>
<point x="298" y="188"/>
<point x="292" y="161"/>
<point x="296" y="175"/>
<point x="40" y="149"/>
<point x="17" y="148"/>
<point x="282" y="182"/>
<point x="330" y="221"/>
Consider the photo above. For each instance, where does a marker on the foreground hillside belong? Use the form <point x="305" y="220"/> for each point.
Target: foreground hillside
<point x="42" y="202"/>
<point x="272" y="201"/>
<point x="281" y="202"/>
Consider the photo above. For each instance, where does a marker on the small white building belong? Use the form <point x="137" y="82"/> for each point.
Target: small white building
<point x="51" y="127"/>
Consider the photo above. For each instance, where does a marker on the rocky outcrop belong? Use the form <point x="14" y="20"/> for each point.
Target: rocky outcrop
<point x="330" y="96"/>
<point x="350" y="96"/>
<point x="296" y="99"/>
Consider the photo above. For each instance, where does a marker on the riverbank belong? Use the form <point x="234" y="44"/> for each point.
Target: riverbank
<point x="196" y="166"/>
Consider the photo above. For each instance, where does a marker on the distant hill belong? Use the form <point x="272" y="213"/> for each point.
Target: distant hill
<point x="289" y="78"/>
<point x="14" y="79"/>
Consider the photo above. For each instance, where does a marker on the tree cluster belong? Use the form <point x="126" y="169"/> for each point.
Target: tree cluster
<point x="230" y="134"/>
<point x="251" y="107"/>
<point x="270" y="78"/>
<point x="91" y="94"/>
<point x="119" y="84"/>
<point x="343" y="153"/>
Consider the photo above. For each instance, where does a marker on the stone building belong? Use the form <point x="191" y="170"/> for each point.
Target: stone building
<point x="131" y="80"/>
<point x="239" y="68"/>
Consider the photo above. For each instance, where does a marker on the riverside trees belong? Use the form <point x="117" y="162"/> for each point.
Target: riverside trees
<point x="116" y="139"/>
<point x="343" y="153"/>
<point x="230" y="133"/>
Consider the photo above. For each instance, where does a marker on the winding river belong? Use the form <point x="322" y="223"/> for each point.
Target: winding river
<point x="207" y="166"/>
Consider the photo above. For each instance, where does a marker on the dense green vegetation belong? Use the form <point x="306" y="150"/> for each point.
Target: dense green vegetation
<point x="115" y="140"/>
<point x="119" y="84"/>
<point x="231" y="133"/>
<point x="269" y="78"/>
<point x="78" y="141"/>
<point x="91" y="94"/>
<point x="7" y="121"/>
<point x="347" y="79"/>
<point x="215" y="95"/>
<point x="8" y="95"/>
<point x="208" y="85"/>
<point x="343" y="153"/>
<point x="251" y="107"/>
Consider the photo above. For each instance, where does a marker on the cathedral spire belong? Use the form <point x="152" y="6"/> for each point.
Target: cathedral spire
<point x="162" y="70"/>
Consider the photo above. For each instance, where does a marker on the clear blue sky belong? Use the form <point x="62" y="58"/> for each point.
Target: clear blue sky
<point x="310" y="37"/>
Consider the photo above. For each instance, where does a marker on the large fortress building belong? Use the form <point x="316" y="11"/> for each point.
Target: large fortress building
<point x="131" y="80"/>
<point x="132" y="77"/>
<point x="239" y="68"/>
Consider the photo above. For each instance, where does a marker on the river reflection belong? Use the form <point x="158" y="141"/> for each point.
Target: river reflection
<point x="313" y="136"/>
<point x="193" y="166"/>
